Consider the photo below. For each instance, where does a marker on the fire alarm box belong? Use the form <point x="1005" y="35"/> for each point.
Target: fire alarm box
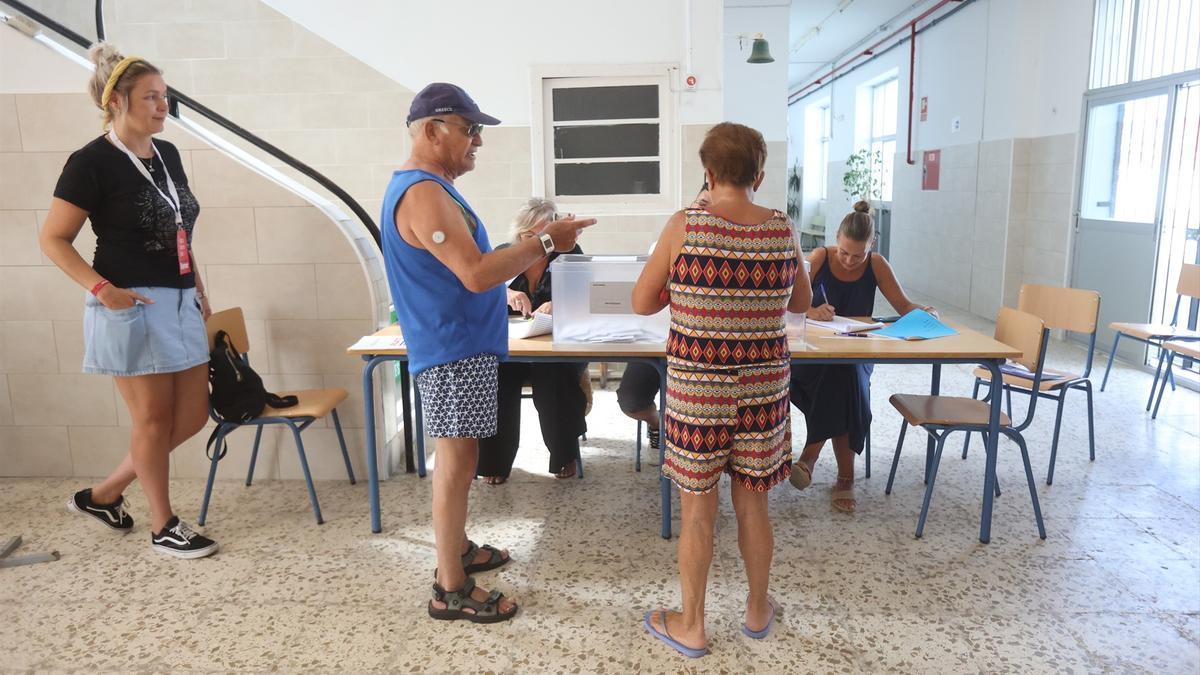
<point x="931" y="161"/>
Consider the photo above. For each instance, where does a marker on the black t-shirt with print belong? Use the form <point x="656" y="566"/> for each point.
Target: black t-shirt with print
<point x="134" y="226"/>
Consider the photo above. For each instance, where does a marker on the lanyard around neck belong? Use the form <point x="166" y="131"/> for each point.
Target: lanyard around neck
<point x="173" y="200"/>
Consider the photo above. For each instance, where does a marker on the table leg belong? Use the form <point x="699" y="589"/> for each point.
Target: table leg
<point x="369" y="431"/>
<point x="991" y="443"/>
<point x="406" y="407"/>
<point x="935" y="386"/>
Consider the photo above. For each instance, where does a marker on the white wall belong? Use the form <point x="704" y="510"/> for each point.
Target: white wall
<point x="487" y="48"/>
<point x="50" y="75"/>
<point x="756" y="93"/>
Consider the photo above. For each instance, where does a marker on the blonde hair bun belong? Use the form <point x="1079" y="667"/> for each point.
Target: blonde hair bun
<point x="104" y="55"/>
<point x="862" y="206"/>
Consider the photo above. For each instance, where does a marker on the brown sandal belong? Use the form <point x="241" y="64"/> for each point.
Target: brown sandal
<point x="844" y="496"/>
<point x="459" y="602"/>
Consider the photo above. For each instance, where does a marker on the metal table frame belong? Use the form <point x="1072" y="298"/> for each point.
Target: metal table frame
<point x="372" y="361"/>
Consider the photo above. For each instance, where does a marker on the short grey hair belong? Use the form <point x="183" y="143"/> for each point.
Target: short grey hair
<point x="417" y="128"/>
<point x="531" y="213"/>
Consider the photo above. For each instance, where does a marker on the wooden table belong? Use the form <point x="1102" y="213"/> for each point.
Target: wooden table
<point x="822" y="346"/>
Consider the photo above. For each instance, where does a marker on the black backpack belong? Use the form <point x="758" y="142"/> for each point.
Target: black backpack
<point x="236" y="392"/>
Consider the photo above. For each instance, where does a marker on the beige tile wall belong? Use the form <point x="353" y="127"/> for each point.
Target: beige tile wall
<point x="1001" y="218"/>
<point x="258" y="246"/>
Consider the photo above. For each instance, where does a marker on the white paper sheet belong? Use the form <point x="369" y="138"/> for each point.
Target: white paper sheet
<point x="371" y="342"/>
<point x="841" y="324"/>
<point x="537" y="324"/>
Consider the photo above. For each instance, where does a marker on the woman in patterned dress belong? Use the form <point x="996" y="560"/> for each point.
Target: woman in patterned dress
<point x="728" y="272"/>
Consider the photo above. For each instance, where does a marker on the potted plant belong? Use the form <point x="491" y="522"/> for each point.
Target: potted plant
<point x="794" y="190"/>
<point x="859" y="180"/>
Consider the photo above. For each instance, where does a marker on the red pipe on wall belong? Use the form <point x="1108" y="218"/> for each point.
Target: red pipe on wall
<point x="869" y="52"/>
<point x="912" y="76"/>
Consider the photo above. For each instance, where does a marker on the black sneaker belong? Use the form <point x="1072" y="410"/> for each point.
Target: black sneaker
<point x="179" y="540"/>
<point x="652" y="435"/>
<point x="112" y="516"/>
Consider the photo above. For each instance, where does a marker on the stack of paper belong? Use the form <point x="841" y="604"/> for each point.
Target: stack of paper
<point x="533" y="325"/>
<point x="380" y="342"/>
<point x="841" y="324"/>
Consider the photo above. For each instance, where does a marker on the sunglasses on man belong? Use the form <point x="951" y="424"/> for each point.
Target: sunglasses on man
<point x="472" y="130"/>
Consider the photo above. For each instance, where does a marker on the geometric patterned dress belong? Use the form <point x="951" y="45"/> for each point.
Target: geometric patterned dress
<point x="727" y="353"/>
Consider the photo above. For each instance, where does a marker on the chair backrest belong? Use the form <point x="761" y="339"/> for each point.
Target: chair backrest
<point x="1023" y="331"/>
<point x="1073" y="309"/>
<point x="1189" y="281"/>
<point x="233" y="322"/>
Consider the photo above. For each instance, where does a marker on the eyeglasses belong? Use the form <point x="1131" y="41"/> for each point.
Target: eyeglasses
<point x="472" y="130"/>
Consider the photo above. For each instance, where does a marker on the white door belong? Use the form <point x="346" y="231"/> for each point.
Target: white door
<point x="1120" y="205"/>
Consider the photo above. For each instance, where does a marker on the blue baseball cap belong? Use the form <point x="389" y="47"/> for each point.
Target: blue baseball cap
<point x="440" y="98"/>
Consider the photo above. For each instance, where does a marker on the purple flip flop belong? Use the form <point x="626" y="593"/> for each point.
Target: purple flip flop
<point x="689" y="652"/>
<point x="760" y="634"/>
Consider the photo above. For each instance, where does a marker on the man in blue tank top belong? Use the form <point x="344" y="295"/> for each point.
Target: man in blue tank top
<point x="447" y="285"/>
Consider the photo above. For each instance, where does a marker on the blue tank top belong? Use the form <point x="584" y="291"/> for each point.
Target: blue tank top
<point x="851" y="298"/>
<point x="441" y="320"/>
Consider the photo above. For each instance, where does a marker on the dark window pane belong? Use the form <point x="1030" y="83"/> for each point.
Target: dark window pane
<point x="605" y="103"/>
<point x="618" y="140"/>
<point x="607" y="178"/>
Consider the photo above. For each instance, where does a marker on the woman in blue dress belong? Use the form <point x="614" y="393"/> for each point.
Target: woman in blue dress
<point x="836" y="399"/>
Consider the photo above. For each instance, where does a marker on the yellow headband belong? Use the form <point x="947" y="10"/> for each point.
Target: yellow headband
<point x="116" y="74"/>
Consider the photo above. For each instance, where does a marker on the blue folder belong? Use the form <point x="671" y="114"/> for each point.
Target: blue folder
<point x="917" y="325"/>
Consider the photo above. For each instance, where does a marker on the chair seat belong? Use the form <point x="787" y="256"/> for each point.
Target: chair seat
<point x="1154" y="330"/>
<point x="313" y="403"/>
<point x="920" y="410"/>
<point x="1050" y="379"/>
<point x="1189" y="349"/>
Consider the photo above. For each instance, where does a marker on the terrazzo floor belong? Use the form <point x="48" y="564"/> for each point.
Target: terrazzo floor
<point x="1114" y="588"/>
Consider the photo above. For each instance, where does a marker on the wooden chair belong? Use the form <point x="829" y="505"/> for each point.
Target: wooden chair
<point x="1190" y="350"/>
<point x="939" y="416"/>
<point x="1154" y="334"/>
<point x="1070" y="309"/>
<point x="313" y="405"/>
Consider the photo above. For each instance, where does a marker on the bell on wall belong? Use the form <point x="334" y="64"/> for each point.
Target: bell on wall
<point x="760" y="52"/>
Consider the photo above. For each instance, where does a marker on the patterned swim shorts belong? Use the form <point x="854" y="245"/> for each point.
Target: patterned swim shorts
<point x="459" y="398"/>
<point x="736" y="421"/>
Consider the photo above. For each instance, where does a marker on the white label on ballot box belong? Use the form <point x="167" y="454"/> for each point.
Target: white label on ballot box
<point x="611" y="297"/>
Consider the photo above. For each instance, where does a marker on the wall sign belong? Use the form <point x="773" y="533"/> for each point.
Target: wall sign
<point x="931" y="161"/>
<point x="924" y="108"/>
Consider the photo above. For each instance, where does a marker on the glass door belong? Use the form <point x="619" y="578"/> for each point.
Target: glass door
<point x="1180" y="239"/>
<point x="1120" y="205"/>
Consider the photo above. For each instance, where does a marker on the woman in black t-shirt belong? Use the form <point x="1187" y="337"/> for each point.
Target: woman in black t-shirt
<point x="144" y="318"/>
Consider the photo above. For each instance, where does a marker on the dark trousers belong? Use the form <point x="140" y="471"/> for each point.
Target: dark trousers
<point x="560" y="403"/>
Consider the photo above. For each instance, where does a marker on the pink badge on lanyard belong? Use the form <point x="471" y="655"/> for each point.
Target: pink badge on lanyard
<point x="181" y="246"/>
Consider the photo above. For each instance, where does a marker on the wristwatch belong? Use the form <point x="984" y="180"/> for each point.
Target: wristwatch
<point x="547" y="243"/>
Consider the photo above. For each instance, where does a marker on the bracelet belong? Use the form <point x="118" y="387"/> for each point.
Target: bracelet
<point x="99" y="285"/>
<point x="200" y="295"/>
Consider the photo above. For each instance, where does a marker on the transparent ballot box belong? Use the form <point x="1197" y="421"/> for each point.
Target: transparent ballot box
<point x="592" y="296"/>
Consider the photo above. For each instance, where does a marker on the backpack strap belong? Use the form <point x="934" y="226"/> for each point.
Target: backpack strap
<point x="209" y="449"/>
<point x="281" y="401"/>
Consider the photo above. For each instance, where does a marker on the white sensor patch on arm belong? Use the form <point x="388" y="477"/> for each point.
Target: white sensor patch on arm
<point x="438" y="237"/>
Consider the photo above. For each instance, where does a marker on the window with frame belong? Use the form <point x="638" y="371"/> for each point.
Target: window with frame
<point x="1134" y="40"/>
<point x="882" y="145"/>
<point x="605" y="141"/>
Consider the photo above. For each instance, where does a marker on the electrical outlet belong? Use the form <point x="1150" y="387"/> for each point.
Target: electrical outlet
<point x="955" y="124"/>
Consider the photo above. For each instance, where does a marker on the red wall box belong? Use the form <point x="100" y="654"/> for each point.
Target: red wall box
<point x="931" y="162"/>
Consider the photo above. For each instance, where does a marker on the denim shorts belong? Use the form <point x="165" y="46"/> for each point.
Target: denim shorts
<point x="165" y="336"/>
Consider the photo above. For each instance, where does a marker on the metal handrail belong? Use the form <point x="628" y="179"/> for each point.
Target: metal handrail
<point x="176" y="98"/>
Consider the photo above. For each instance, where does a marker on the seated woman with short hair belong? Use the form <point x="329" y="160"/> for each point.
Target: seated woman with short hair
<point x="557" y="393"/>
